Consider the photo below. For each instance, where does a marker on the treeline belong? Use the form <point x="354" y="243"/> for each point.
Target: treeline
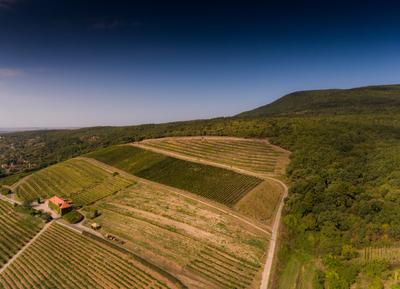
<point x="344" y="192"/>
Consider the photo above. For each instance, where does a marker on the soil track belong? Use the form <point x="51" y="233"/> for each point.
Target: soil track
<point x="272" y="245"/>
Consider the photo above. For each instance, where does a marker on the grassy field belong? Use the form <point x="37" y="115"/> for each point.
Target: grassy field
<point x="78" y="263"/>
<point x="262" y="202"/>
<point x="253" y="155"/>
<point x="16" y="229"/>
<point x="76" y="179"/>
<point x="221" y="185"/>
<point x="299" y="273"/>
<point x="190" y="239"/>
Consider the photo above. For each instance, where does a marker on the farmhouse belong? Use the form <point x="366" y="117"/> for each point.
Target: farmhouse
<point x="59" y="205"/>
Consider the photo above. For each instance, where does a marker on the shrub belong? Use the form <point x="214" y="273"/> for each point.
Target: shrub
<point x="92" y="213"/>
<point x="4" y="191"/>
<point x="73" y="217"/>
<point x="46" y="217"/>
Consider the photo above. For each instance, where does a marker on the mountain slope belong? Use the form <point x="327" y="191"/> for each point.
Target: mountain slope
<point x="331" y="101"/>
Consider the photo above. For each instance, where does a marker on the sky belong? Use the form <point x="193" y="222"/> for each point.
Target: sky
<point x="78" y="63"/>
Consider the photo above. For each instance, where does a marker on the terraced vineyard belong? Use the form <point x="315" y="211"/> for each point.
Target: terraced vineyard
<point x="187" y="237"/>
<point x="221" y="185"/>
<point x="253" y="155"/>
<point x="16" y="229"/>
<point x="78" y="263"/>
<point x="223" y="269"/>
<point x="76" y="179"/>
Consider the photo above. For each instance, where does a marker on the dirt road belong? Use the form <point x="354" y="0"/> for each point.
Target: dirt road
<point x="272" y="245"/>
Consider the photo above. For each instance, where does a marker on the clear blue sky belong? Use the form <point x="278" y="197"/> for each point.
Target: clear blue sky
<point x="85" y="63"/>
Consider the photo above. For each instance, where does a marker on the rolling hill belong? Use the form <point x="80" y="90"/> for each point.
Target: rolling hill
<point x="331" y="101"/>
<point x="343" y="205"/>
<point x="190" y="240"/>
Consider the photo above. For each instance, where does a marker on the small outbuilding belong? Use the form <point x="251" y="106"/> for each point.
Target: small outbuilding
<point x="59" y="205"/>
<point x="95" y="226"/>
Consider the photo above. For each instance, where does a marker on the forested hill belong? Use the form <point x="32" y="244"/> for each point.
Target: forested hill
<point x="331" y="101"/>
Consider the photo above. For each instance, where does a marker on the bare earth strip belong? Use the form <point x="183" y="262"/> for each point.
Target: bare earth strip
<point x="25" y="247"/>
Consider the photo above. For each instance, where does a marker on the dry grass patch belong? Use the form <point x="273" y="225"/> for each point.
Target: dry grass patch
<point x="262" y="202"/>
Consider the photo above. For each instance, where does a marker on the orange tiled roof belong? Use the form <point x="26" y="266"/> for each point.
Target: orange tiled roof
<point x="61" y="203"/>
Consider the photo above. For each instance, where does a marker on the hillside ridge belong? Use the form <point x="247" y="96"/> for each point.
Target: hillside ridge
<point x="359" y="99"/>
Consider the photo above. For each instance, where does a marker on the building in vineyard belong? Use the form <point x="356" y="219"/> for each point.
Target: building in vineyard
<point x="59" y="205"/>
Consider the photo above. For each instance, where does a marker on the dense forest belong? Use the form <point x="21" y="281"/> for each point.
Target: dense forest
<point x="344" y="174"/>
<point x="334" y="101"/>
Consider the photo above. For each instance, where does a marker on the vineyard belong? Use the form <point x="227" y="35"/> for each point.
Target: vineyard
<point x="221" y="185"/>
<point x="78" y="263"/>
<point x="224" y="269"/>
<point x="390" y="254"/>
<point x="76" y="179"/>
<point x="168" y="228"/>
<point x="253" y="155"/>
<point x="16" y="229"/>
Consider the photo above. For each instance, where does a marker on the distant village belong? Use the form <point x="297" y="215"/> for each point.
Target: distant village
<point x="16" y="154"/>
